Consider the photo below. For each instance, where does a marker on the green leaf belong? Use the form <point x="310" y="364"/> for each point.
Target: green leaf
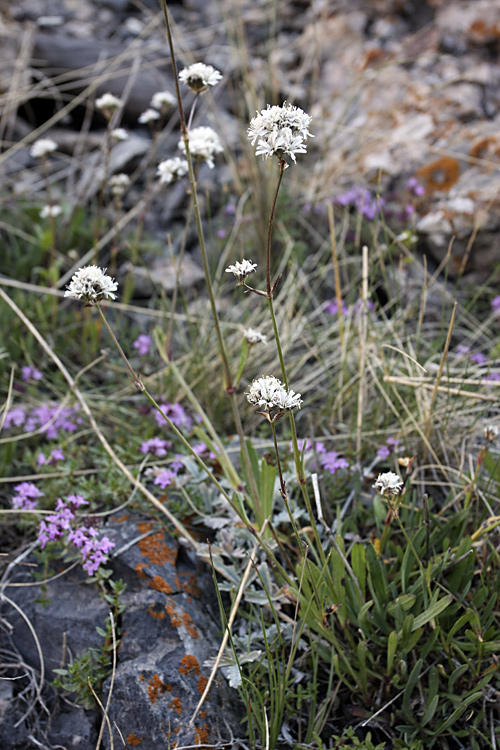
<point x="432" y="611"/>
<point x="358" y="563"/>
<point x="412" y="681"/>
<point x="457" y="713"/>
<point x="392" y="644"/>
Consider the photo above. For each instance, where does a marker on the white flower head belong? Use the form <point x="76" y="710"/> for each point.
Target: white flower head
<point x="199" y="77"/>
<point x="280" y="131"/>
<point x="43" y="147"/>
<point x="253" y="336"/>
<point x="162" y="100"/>
<point x="271" y="395"/>
<point x="171" y="170"/>
<point x="241" y="269"/>
<point x="490" y="433"/>
<point x="119" y="134"/>
<point x="388" y="483"/>
<point x="91" y="285"/>
<point x="107" y="103"/>
<point x="118" y="183"/>
<point x="149" y="116"/>
<point x="50" y="211"/>
<point x="204" y="143"/>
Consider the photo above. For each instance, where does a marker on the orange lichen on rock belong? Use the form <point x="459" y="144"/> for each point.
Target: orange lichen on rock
<point x="189" y="625"/>
<point x="201" y="735"/>
<point x="160" y="585"/>
<point x="175" y="705"/>
<point x="154" y="547"/>
<point x="202" y="683"/>
<point x="157" y="615"/>
<point x="156" y="686"/>
<point x="174" y="617"/>
<point x="189" y="663"/>
<point x="133" y="739"/>
<point x="139" y="569"/>
<point x="441" y="174"/>
<point x="190" y="586"/>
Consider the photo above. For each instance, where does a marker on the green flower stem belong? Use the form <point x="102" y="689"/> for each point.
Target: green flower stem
<point x="283" y="492"/>
<point x="140" y="385"/>
<point x="228" y="384"/>
<point x="270" y="228"/>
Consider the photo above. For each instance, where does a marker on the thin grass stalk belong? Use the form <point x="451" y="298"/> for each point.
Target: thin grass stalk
<point x="362" y="354"/>
<point x="428" y="426"/>
<point x="336" y="272"/>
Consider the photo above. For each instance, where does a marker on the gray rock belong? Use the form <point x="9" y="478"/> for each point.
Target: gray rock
<point x="170" y="627"/>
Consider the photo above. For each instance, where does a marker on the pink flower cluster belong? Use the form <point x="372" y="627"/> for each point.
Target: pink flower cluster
<point x="329" y="461"/>
<point x="385" y="450"/>
<point x="26" y="496"/>
<point x="50" y="419"/>
<point x="175" y="413"/>
<point x="93" y="550"/>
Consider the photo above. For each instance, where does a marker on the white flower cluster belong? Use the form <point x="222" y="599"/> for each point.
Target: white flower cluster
<point x="107" y="103"/>
<point x="253" y="336"/>
<point x="162" y="100"/>
<point x="388" y="483"/>
<point x="119" y="134"/>
<point x="241" y="269"/>
<point x="200" y="76"/>
<point x="270" y="394"/>
<point x="43" y="147"/>
<point x="50" y="211"/>
<point x="149" y="116"/>
<point x="171" y="169"/>
<point x="118" y="183"/>
<point x="204" y="143"/>
<point x="490" y="433"/>
<point x="91" y="285"/>
<point x="280" y="131"/>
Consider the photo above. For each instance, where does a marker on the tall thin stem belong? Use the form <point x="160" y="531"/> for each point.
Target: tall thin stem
<point x="283" y="165"/>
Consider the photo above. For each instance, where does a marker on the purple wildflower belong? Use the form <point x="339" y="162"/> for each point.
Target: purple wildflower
<point x="415" y="187"/>
<point x="331" y="462"/>
<point x="55" y="456"/>
<point x="156" y="446"/>
<point x="49" y="419"/>
<point x="493" y="377"/>
<point x="333" y="308"/>
<point x="495" y="304"/>
<point x="142" y="344"/>
<point x="164" y="478"/>
<point x="175" y="413"/>
<point x="16" y="417"/>
<point x="384" y="452"/>
<point x="62" y="523"/>
<point x="200" y="449"/>
<point x="26" y="497"/>
<point x="479" y="358"/>
<point x="28" y="372"/>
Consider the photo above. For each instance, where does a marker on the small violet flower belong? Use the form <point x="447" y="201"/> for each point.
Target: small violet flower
<point x="26" y="496"/>
<point x="32" y="373"/>
<point x="175" y="413"/>
<point x="142" y="344"/>
<point x="156" y="446"/>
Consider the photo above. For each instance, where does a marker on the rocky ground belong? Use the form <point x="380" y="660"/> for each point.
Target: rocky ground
<point x="398" y="89"/>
